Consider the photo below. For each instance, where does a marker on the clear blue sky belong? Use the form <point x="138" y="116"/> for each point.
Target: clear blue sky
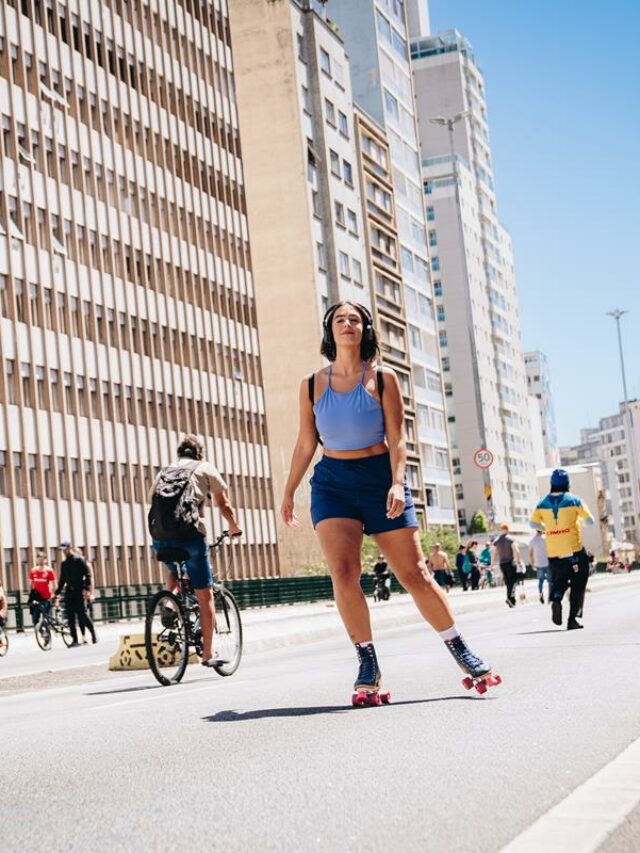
<point x="564" y="115"/>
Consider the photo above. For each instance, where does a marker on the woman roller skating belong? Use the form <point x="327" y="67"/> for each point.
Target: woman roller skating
<point x="359" y="486"/>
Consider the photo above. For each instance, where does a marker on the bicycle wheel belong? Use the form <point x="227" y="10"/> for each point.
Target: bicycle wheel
<point x="166" y="638"/>
<point x="227" y="638"/>
<point x="43" y="634"/>
<point x="65" y="632"/>
<point x="4" y="642"/>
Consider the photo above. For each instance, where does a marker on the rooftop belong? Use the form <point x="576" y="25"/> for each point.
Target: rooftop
<point x="448" y="41"/>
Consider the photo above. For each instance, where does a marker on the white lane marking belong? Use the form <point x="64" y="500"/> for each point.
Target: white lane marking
<point x="583" y="820"/>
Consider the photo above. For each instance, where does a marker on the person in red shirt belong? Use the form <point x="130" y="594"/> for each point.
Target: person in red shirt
<point x="42" y="579"/>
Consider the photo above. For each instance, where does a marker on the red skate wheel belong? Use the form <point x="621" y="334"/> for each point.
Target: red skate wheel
<point x="358" y="700"/>
<point x="467" y="683"/>
<point x="373" y="699"/>
<point x="481" y="687"/>
<point x="497" y="680"/>
<point x="385" y="698"/>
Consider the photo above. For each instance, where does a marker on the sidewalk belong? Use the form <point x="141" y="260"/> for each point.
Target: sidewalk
<point x="267" y="628"/>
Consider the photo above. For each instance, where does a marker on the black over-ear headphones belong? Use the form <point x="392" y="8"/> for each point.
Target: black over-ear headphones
<point x="367" y="330"/>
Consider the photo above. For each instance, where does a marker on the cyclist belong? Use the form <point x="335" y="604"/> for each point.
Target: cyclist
<point x="76" y="582"/>
<point x="176" y="520"/>
<point x="42" y="579"/>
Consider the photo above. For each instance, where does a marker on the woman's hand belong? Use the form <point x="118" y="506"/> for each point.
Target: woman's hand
<point x="287" y="512"/>
<point x="395" y="501"/>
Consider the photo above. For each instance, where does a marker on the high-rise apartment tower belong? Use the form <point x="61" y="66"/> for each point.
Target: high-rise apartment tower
<point x="474" y="286"/>
<point x="127" y="308"/>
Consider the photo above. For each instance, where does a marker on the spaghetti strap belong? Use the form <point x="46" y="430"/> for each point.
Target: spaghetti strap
<point x="364" y="370"/>
<point x="329" y="376"/>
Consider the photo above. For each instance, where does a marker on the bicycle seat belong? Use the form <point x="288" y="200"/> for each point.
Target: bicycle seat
<point x="172" y="555"/>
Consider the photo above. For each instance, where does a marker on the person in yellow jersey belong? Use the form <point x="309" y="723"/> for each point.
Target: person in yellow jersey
<point x="561" y="514"/>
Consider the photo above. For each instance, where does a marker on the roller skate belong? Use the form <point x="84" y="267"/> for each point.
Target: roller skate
<point x="367" y="684"/>
<point x="479" y="673"/>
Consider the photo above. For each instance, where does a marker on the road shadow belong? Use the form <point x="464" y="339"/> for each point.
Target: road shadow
<point x="124" y="690"/>
<point x="557" y="630"/>
<point x="238" y="716"/>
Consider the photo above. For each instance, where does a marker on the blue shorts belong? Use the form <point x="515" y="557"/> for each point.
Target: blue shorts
<point x="198" y="565"/>
<point x="358" y="488"/>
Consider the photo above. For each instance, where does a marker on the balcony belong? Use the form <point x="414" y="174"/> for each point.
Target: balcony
<point x="431" y="474"/>
<point x="440" y="515"/>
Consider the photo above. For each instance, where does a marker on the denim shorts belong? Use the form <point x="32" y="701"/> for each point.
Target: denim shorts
<point x="198" y="565"/>
<point x="358" y="488"/>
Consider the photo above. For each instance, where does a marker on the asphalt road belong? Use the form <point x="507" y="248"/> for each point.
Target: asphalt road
<point x="275" y="759"/>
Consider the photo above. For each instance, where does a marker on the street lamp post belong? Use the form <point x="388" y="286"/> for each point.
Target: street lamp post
<point x="449" y="122"/>
<point x="617" y="314"/>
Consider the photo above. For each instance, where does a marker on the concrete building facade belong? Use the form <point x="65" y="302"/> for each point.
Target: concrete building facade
<point x="127" y="307"/>
<point x="539" y="387"/>
<point x="608" y="445"/>
<point x="304" y="208"/>
<point x="376" y="40"/>
<point x="474" y="286"/>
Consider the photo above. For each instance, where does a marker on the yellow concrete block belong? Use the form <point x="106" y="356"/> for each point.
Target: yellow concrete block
<point x="132" y="654"/>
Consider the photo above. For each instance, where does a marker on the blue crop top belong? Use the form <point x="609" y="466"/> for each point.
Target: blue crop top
<point x="349" y="420"/>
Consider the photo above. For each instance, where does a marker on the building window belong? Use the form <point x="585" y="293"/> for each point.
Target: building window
<point x="322" y="257"/>
<point x="325" y="61"/>
<point x="443" y="338"/>
<point x="315" y="202"/>
<point x="357" y="271"/>
<point x="339" y="209"/>
<point x="435" y="263"/>
<point x="433" y="238"/>
<point x="431" y="214"/>
<point x="329" y="112"/>
<point x="352" y="221"/>
<point x="306" y="104"/>
<point x="437" y="288"/>
<point x="335" y="163"/>
<point x="440" y="313"/>
<point x="343" y="125"/>
<point x="347" y="172"/>
<point x="345" y="270"/>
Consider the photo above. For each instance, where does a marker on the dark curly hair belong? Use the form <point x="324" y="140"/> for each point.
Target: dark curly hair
<point x="191" y="447"/>
<point x="369" y="349"/>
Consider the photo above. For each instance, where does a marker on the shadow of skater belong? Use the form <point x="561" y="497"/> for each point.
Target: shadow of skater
<point x="237" y="716"/>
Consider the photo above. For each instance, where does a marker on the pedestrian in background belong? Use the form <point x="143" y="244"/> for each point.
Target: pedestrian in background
<point x="471" y="564"/>
<point x="75" y="581"/>
<point x="463" y="576"/>
<point x="540" y="562"/>
<point x="3" y="606"/>
<point x="505" y="553"/>
<point x="42" y="579"/>
<point x="440" y="566"/>
<point x="485" y="566"/>
<point x="560" y="514"/>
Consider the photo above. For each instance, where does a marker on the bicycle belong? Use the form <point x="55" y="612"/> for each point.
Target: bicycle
<point x="172" y="624"/>
<point x="4" y="641"/>
<point x="51" y="622"/>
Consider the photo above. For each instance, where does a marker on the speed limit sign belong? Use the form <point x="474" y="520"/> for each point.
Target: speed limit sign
<point x="483" y="458"/>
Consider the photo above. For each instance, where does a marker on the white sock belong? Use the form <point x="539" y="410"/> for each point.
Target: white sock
<point x="450" y="634"/>
<point x="365" y="644"/>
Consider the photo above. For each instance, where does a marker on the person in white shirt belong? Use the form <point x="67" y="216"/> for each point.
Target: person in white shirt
<point x="540" y="562"/>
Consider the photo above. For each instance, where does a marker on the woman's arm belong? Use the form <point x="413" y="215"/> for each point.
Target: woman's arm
<point x="303" y="451"/>
<point x="393" y="409"/>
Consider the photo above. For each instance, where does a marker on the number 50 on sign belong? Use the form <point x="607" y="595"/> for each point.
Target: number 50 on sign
<point x="483" y="458"/>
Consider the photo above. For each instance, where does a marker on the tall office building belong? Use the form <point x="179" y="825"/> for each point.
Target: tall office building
<point x="375" y="37"/>
<point x="539" y="387"/>
<point x="474" y="285"/>
<point x="127" y="307"/>
<point x="304" y="209"/>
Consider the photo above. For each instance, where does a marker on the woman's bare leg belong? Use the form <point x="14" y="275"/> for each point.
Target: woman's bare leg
<point x="341" y="543"/>
<point x="403" y="551"/>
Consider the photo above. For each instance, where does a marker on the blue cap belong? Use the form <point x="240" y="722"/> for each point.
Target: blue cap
<point x="64" y="545"/>
<point x="559" y="479"/>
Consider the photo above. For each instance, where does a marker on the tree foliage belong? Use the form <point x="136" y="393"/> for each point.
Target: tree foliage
<point x="479" y="523"/>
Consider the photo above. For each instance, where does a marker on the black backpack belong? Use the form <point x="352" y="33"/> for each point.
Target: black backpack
<point x="174" y="510"/>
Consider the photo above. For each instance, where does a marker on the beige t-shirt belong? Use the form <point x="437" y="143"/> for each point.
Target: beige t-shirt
<point x="207" y="481"/>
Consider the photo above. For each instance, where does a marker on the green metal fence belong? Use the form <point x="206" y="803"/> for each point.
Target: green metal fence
<point x="129" y="602"/>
